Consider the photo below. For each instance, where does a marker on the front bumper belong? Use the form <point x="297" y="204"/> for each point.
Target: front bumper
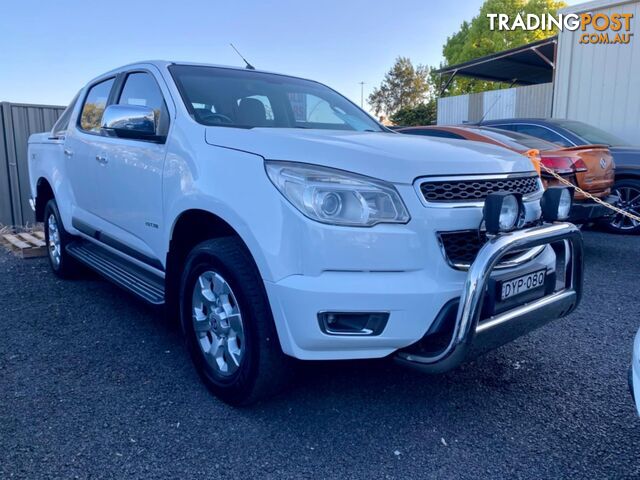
<point x="470" y="337"/>
<point x="589" y="211"/>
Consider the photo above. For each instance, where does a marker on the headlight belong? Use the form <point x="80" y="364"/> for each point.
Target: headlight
<point x="556" y="203"/>
<point x="503" y="212"/>
<point x="335" y="197"/>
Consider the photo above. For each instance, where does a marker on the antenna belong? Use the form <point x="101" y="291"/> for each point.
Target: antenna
<point x="496" y="101"/>
<point x="249" y="66"/>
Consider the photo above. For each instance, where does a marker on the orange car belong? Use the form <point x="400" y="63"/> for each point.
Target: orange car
<point x="589" y="167"/>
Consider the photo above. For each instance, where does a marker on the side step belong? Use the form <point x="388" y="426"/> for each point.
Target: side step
<point x="138" y="281"/>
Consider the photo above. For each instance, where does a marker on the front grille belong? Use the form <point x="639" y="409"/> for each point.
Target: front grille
<point x="476" y="189"/>
<point x="462" y="247"/>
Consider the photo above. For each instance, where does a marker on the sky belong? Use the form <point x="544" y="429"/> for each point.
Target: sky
<point x="49" y="50"/>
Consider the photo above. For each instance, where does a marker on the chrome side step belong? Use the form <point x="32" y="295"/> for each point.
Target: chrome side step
<point x="138" y="281"/>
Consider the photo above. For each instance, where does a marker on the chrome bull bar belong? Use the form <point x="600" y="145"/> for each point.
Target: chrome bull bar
<point x="469" y="338"/>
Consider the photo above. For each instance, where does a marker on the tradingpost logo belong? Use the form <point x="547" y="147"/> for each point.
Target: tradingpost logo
<point x="601" y="28"/>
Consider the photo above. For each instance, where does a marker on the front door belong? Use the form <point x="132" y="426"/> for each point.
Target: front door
<point x="131" y="187"/>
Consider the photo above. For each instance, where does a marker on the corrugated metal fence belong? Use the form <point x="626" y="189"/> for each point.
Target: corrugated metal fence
<point x="518" y="102"/>
<point x="17" y="122"/>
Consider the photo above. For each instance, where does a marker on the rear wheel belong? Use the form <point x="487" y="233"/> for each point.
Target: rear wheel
<point x="228" y="325"/>
<point x="629" y="193"/>
<point x="57" y="239"/>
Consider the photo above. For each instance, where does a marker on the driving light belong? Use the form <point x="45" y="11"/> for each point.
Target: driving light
<point x="336" y="197"/>
<point x="556" y="203"/>
<point x="502" y="212"/>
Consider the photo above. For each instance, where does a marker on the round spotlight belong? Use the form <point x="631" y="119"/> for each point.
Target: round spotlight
<point x="509" y="213"/>
<point x="502" y="212"/>
<point x="564" y="205"/>
<point x="556" y="203"/>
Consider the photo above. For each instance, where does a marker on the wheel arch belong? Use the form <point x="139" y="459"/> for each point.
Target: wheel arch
<point x="627" y="175"/>
<point x="44" y="193"/>
<point x="191" y="227"/>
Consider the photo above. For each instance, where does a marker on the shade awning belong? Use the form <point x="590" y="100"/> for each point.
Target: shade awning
<point x="529" y="64"/>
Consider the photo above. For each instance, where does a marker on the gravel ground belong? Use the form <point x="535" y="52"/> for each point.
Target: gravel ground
<point x="93" y="384"/>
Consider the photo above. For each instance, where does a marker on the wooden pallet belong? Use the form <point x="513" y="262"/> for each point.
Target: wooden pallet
<point x="25" y="245"/>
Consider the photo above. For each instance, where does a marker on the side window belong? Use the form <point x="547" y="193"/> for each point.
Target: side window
<point x="140" y="88"/>
<point x="62" y="124"/>
<point x="94" y="105"/>
<point x="543" y="133"/>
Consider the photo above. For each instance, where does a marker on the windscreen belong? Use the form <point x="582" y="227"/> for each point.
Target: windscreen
<point x="226" y="97"/>
<point x="591" y="134"/>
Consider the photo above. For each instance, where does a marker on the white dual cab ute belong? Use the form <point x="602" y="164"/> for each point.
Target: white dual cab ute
<point x="276" y="219"/>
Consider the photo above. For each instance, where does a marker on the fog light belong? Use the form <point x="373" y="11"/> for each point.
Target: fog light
<point x="503" y="212"/>
<point x="353" y="323"/>
<point x="556" y="203"/>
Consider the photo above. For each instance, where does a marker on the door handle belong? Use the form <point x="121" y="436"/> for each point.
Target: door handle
<point x="68" y="152"/>
<point x="102" y="160"/>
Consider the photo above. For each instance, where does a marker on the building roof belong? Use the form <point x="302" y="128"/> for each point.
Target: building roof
<point x="529" y="64"/>
<point x="593" y="5"/>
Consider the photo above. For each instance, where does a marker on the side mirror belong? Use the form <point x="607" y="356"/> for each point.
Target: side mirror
<point x="130" y="121"/>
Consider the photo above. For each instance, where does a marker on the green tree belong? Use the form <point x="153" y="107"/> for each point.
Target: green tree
<point x="474" y="39"/>
<point x="404" y="86"/>
<point x="423" y="114"/>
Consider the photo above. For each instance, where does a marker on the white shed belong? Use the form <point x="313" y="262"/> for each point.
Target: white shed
<point x="560" y="77"/>
<point x="600" y="84"/>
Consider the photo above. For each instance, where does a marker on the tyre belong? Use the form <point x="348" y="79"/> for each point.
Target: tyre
<point x="629" y="193"/>
<point x="57" y="239"/>
<point x="228" y="325"/>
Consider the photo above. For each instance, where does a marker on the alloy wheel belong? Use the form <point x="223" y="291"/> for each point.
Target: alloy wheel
<point x="217" y="323"/>
<point x="629" y="202"/>
<point x="54" y="241"/>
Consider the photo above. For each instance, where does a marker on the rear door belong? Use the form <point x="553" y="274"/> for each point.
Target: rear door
<point x="82" y="149"/>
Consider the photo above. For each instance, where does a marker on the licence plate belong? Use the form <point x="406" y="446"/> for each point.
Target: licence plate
<point x="518" y="285"/>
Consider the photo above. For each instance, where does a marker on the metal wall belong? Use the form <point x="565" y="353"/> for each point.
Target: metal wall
<point x="600" y="84"/>
<point x="452" y="110"/>
<point x="518" y="102"/>
<point x="17" y="122"/>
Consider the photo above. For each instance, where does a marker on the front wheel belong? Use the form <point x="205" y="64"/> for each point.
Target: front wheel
<point x="228" y="325"/>
<point x="629" y="193"/>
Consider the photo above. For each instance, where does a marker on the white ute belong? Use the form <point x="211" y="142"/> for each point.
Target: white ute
<point x="276" y="219"/>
